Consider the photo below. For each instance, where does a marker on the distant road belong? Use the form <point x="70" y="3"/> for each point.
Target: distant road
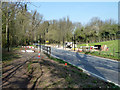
<point x="103" y="68"/>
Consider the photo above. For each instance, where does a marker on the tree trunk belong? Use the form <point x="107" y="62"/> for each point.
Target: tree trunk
<point x="6" y="28"/>
<point x="8" y="39"/>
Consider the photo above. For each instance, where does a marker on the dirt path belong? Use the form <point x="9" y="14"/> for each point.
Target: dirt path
<point x="15" y="70"/>
<point x="32" y="72"/>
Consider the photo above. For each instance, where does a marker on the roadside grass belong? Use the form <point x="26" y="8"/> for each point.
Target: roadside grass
<point x="112" y="52"/>
<point x="110" y="44"/>
<point x="101" y="54"/>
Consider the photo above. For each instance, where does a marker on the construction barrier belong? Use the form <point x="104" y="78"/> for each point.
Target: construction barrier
<point x="28" y="49"/>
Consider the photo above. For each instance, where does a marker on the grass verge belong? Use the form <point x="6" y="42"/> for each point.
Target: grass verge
<point x="102" y="54"/>
<point x="112" y="52"/>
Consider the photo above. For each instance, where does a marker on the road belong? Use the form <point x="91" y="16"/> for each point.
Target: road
<point x="105" y="69"/>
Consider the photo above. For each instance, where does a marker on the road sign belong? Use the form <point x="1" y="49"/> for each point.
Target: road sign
<point x="47" y="41"/>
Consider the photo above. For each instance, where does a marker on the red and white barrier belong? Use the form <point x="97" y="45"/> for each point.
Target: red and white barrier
<point x="27" y="47"/>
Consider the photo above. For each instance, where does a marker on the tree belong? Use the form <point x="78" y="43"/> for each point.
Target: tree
<point x="9" y="10"/>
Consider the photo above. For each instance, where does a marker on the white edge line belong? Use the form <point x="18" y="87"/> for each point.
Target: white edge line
<point x="88" y="72"/>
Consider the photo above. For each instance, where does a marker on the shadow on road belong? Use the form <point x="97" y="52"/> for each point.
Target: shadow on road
<point x="78" y="60"/>
<point x="87" y="66"/>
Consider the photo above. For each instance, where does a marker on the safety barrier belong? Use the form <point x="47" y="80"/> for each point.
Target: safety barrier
<point x="28" y="49"/>
<point x="47" y="49"/>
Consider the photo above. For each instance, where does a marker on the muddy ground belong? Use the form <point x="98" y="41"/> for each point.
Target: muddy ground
<point x="29" y="71"/>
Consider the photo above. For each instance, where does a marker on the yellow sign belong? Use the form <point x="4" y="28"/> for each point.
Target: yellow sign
<point x="47" y="41"/>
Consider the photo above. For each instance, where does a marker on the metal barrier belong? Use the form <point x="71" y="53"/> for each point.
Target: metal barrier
<point x="47" y="49"/>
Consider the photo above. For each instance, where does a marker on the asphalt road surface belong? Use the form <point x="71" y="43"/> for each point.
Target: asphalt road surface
<point x="105" y="69"/>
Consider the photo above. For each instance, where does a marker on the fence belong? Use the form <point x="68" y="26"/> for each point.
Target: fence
<point x="46" y="49"/>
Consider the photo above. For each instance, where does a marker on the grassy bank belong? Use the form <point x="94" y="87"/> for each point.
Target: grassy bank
<point x="111" y="53"/>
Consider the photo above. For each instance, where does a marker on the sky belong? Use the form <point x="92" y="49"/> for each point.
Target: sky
<point x="76" y="11"/>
